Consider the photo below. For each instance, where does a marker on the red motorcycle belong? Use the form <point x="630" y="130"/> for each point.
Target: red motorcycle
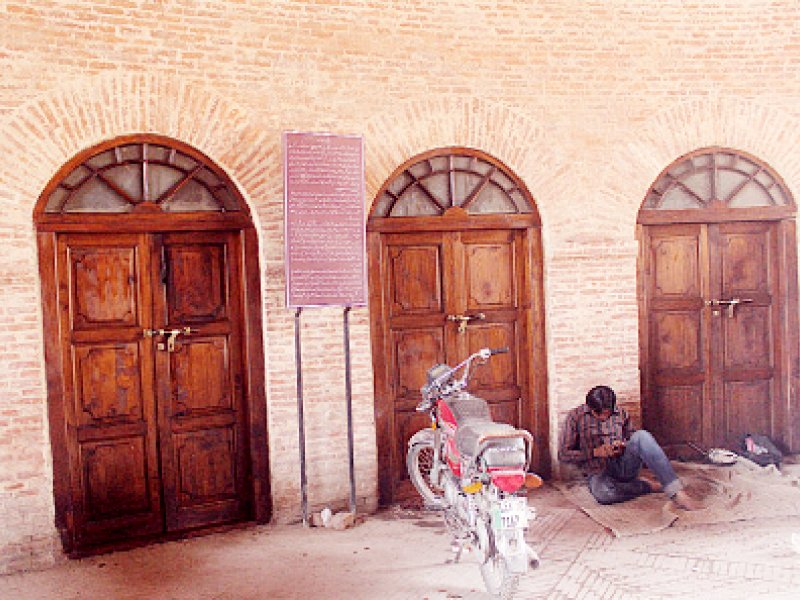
<point x="476" y="472"/>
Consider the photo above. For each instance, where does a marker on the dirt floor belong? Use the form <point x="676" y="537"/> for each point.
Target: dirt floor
<point x="405" y="554"/>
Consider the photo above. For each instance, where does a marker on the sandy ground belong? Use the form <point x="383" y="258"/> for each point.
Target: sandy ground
<point x="405" y="554"/>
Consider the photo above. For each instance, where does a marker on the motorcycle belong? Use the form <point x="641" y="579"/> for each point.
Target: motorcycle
<point x="475" y="471"/>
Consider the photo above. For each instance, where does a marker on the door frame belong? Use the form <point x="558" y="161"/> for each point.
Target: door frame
<point x="788" y="300"/>
<point x="537" y="418"/>
<point x="49" y="226"/>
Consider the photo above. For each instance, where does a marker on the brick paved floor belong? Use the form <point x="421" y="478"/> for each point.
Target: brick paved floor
<point x="404" y="555"/>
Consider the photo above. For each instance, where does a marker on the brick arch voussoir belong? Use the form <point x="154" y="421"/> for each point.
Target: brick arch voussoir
<point x="39" y="137"/>
<point x="511" y="136"/>
<point x="764" y="132"/>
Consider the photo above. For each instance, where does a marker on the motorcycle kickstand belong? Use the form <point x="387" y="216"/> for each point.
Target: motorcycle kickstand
<point x="533" y="557"/>
<point x="457" y="548"/>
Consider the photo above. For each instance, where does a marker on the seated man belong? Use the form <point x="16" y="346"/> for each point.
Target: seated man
<point x="599" y="437"/>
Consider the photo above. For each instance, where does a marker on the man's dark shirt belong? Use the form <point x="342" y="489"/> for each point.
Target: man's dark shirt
<point x="583" y="432"/>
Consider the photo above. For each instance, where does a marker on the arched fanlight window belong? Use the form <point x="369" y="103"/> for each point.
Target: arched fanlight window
<point x="434" y="182"/>
<point x="717" y="178"/>
<point x="141" y="176"/>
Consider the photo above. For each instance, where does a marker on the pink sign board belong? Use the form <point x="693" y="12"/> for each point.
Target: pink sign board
<point x="324" y="215"/>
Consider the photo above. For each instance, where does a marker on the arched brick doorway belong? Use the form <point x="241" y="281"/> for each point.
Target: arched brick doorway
<point x="152" y="327"/>
<point x="718" y="302"/>
<point x="454" y="233"/>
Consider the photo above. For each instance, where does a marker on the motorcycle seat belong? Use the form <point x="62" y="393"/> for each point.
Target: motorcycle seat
<point x="466" y="407"/>
<point x="507" y="450"/>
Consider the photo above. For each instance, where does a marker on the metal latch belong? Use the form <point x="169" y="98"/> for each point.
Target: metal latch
<point x="171" y="334"/>
<point x="463" y="320"/>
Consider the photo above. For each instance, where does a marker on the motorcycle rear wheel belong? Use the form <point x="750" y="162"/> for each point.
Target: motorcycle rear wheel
<point x="419" y="462"/>
<point x="499" y="580"/>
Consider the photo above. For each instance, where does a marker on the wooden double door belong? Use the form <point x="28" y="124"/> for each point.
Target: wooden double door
<point x="715" y="332"/>
<point x="151" y="369"/>
<point x="441" y="296"/>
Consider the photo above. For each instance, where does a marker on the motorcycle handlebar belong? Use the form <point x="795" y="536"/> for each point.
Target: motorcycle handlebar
<point x="439" y="386"/>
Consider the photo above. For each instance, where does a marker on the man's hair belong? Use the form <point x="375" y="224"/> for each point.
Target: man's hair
<point x="601" y="397"/>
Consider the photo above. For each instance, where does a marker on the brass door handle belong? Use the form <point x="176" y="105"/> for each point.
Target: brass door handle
<point x="464" y="319"/>
<point x="730" y="305"/>
<point x="171" y="335"/>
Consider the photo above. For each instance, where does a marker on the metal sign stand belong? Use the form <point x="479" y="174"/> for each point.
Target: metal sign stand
<point x="348" y="384"/>
<point x="300" y="419"/>
<point x="324" y="184"/>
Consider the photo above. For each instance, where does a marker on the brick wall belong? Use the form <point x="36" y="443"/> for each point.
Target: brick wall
<point x="586" y="100"/>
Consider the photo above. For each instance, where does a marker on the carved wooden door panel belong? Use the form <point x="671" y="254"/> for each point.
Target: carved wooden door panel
<point x="414" y="339"/>
<point x="199" y="379"/>
<point x="490" y="285"/>
<point x="712" y="332"/>
<point x="745" y="267"/>
<point x="155" y="426"/>
<point x="430" y="281"/>
<point x="109" y="409"/>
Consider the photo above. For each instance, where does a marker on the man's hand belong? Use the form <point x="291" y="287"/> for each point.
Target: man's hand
<point x="604" y="451"/>
<point x="616" y="448"/>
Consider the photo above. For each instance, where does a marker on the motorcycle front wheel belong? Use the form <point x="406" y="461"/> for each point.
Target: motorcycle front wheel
<point x="419" y="462"/>
<point x="499" y="580"/>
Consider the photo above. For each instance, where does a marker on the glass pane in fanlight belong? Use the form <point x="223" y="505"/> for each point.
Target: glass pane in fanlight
<point x="436" y="163"/>
<point x="420" y="170"/>
<point x="131" y="152"/>
<point x="382" y="204"/>
<point x="492" y="199"/>
<point x="463" y="185"/>
<point x="728" y="160"/>
<point x="765" y="179"/>
<point x="103" y="159"/>
<point x="414" y="203"/>
<point x="228" y="201"/>
<point x="465" y="163"/>
<point x="521" y="202"/>
<point x="75" y="177"/>
<point x="183" y="162"/>
<point x="752" y="194"/>
<point x="55" y="200"/>
<point x="127" y="178"/>
<point x="772" y="188"/>
<point x="439" y="187"/>
<point x="158" y="153"/>
<point x="400" y="183"/>
<point x="96" y="196"/>
<point x="653" y="201"/>
<point x="160" y="179"/>
<point x="727" y="182"/>
<point x="701" y="161"/>
<point x="779" y="196"/>
<point x="503" y="180"/>
<point x="699" y="182"/>
<point x="191" y="197"/>
<point x="679" y="170"/>
<point x="207" y="178"/>
<point x="676" y="198"/>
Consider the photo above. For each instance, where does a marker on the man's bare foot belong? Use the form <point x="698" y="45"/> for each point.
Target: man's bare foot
<point x="686" y="502"/>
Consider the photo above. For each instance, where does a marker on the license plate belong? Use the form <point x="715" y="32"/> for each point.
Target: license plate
<point x="510" y="513"/>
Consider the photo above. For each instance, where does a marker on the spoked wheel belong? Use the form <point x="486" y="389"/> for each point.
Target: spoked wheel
<point x="419" y="462"/>
<point x="499" y="580"/>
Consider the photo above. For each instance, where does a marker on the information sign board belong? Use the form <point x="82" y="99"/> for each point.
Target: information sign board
<point x="324" y="218"/>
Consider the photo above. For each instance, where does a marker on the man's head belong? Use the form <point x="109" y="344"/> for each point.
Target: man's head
<point x="601" y="400"/>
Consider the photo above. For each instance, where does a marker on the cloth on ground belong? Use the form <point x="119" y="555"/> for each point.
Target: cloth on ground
<point x="738" y="492"/>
